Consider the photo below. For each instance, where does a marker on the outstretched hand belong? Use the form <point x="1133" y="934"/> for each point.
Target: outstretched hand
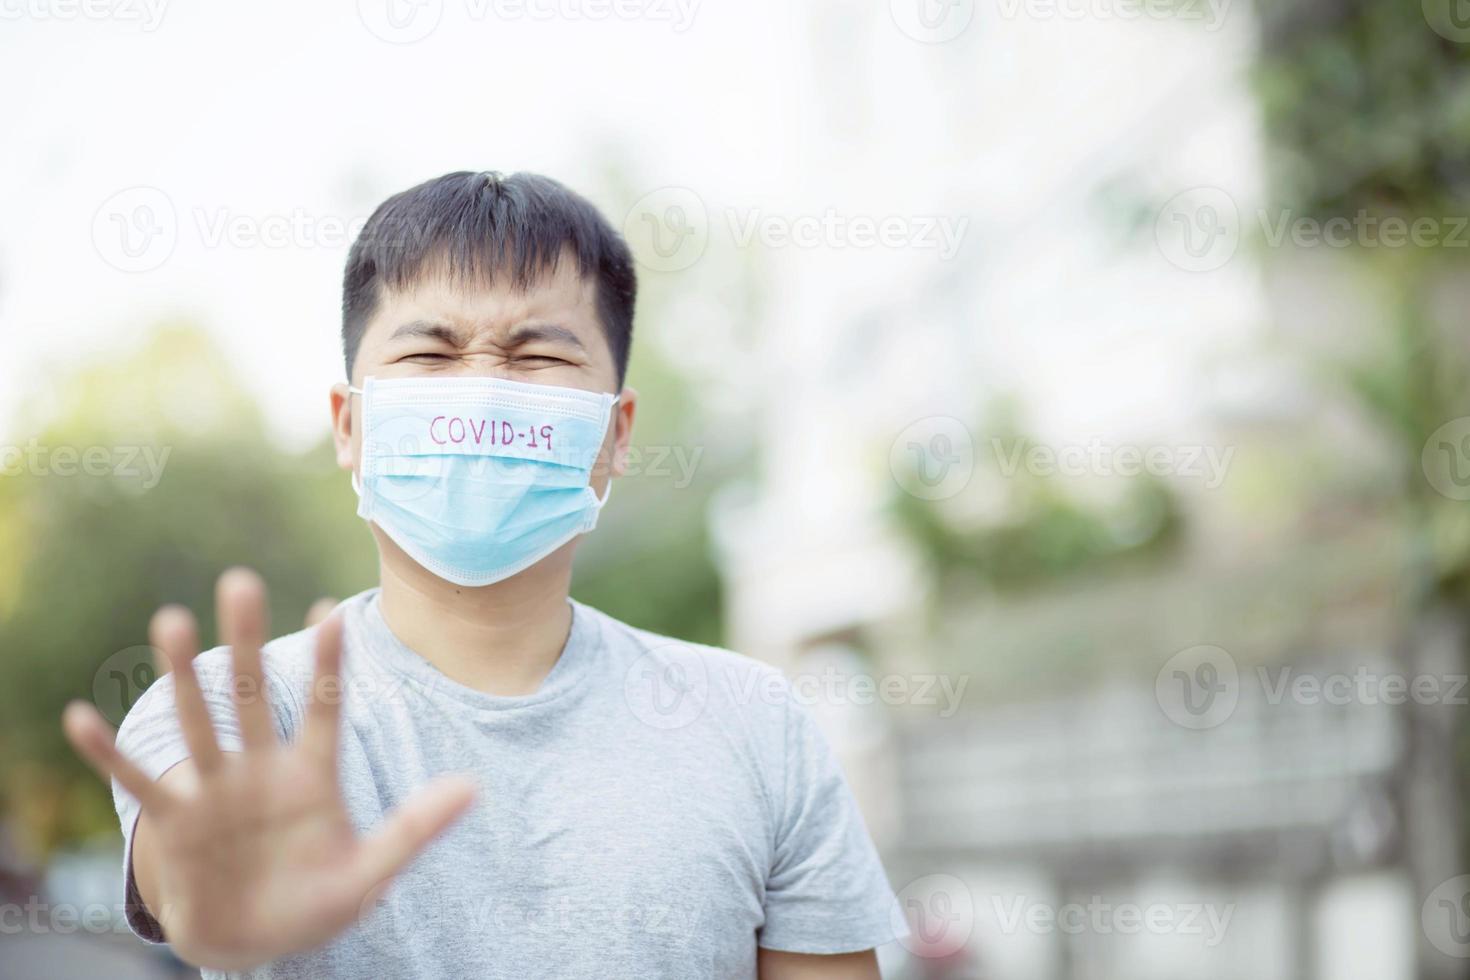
<point x="250" y="854"/>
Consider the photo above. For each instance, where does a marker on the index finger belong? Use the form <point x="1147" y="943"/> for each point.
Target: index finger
<point x="173" y="632"/>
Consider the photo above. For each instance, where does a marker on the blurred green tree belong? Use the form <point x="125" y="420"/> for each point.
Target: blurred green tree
<point x="1036" y="532"/>
<point x="193" y="485"/>
<point x="1364" y="106"/>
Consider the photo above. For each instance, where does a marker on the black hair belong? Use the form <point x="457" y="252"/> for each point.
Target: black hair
<point x="485" y="227"/>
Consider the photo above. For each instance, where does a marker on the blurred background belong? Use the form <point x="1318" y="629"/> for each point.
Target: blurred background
<point x="1072" y="396"/>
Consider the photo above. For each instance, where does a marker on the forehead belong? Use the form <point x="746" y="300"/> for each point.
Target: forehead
<point x="490" y="309"/>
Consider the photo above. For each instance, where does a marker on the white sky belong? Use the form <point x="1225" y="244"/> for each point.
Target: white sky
<point x="297" y="111"/>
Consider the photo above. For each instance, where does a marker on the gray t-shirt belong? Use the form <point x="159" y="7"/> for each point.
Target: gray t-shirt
<point x="655" y="809"/>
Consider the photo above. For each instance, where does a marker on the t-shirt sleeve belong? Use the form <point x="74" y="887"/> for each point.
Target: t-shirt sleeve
<point x="150" y="736"/>
<point x="826" y="892"/>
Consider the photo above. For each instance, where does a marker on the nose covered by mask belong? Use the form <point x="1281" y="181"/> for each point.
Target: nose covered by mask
<point x="477" y="479"/>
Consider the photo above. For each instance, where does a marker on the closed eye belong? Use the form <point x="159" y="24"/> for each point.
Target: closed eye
<point x="540" y="360"/>
<point x="422" y="358"/>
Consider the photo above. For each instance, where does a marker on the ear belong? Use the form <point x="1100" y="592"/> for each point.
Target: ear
<point x="343" y="426"/>
<point x="625" y="410"/>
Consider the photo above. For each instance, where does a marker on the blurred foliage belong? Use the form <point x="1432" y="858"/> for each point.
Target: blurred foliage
<point x="1034" y="532"/>
<point x="1413" y="379"/>
<point x="1364" y="107"/>
<point x="1368" y="110"/>
<point x="86" y="559"/>
<point x="99" y="553"/>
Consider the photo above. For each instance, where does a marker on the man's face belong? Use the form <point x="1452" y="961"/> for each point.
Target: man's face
<point x="547" y="334"/>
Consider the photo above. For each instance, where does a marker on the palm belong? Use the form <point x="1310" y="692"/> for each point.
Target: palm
<point x="255" y="855"/>
<point x="259" y="854"/>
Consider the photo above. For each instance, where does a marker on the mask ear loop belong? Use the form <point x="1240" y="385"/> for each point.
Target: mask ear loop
<point x="601" y="501"/>
<point x="606" y="492"/>
<point x="356" y="480"/>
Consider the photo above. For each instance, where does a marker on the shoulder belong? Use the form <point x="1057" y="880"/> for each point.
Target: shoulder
<point x="713" y="679"/>
<point x="722" y="669"/>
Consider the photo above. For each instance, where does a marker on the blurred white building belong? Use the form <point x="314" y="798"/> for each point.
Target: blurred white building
<point x="1291" y="825"/>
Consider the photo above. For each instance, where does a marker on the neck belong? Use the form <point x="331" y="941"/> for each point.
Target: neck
<point x="502" y="639"/>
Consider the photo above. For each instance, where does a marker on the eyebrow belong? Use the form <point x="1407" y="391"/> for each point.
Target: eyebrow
<point x="524" y="334"/>
<point x="530" y="332"/>
<point x="429" y="328"/>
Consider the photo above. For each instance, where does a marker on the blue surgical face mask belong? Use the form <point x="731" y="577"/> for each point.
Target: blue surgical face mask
<point x="477" y="479"/>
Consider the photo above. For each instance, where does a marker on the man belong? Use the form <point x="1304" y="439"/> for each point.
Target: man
<point x="548" y="791"/>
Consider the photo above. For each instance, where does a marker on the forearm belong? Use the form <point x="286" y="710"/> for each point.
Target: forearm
<point x="145" y="868"/>
<point x="147" y="858"/>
